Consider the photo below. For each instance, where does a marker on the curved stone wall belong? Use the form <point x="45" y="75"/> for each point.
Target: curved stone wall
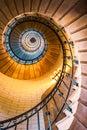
<point x="73" y="16"/>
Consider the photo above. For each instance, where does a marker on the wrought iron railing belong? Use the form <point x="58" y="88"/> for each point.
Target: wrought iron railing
<point x="15" y="123"/>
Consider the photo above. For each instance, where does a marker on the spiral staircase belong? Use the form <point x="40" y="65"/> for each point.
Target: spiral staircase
<point x="43" y="65"/>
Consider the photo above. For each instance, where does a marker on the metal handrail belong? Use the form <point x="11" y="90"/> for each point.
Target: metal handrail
<point x="13" y="122"/>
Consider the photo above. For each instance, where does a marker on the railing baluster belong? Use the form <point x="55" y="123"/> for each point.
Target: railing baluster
<point x="60" y="29"/>
<point x="67" y="106"/>
<point x="55" y="104"/>
<point x="73" y="81"/>
<point x="69" y="42"/>
<point x="27" y="126"/>
<point x="48" y="117"/>
<point x="38" y="120"/>
<point x="65" y="84"/>
<point x="15" y="127"/>
<point x="75" y="61"/>
<point x="68" y="65"/>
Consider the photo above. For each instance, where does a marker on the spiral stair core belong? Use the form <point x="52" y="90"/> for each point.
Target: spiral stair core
<point x="43" y="65"/>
